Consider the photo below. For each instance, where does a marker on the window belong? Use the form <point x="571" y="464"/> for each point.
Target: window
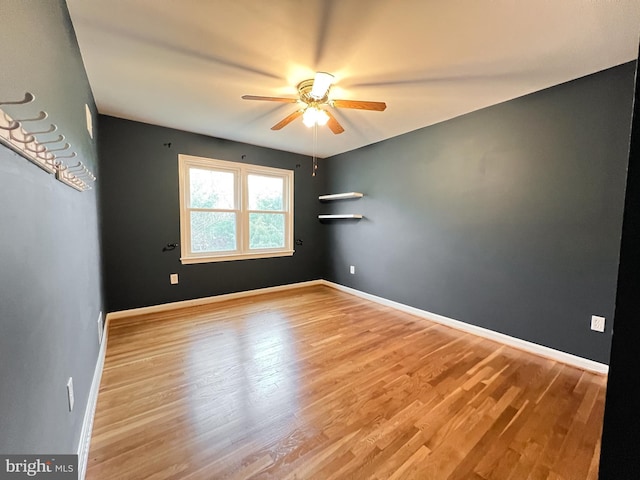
<point x="234" y="211"/>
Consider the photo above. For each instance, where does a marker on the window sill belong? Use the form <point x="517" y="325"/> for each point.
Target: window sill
<point x="235" y="256"/>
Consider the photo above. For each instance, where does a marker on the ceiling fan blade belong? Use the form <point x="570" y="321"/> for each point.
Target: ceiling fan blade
<point x="333" y="124"/>
<point x="270" y="99"/>
<point x="360" y="105"/>
<point x="287" y="120"/>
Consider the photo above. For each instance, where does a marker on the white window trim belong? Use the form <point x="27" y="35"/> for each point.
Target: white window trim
<point x="242" y="170"/>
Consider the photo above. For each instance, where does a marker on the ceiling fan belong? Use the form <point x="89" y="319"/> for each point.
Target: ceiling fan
<point x="313" y="97"/>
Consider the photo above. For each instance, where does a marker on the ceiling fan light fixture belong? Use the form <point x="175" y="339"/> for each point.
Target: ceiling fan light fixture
<point x="309" y="116"/>
<point x="321" y="84"/>
<point x="322" y="118"/>
<point x="314" y="116"/>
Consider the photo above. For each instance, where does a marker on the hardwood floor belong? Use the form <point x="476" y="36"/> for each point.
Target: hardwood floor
<point x="318" y="384"/>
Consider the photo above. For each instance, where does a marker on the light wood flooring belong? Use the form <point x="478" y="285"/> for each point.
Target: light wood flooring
<point x="314" y="383"/>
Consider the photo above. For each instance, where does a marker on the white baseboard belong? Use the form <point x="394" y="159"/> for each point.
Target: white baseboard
<point x="90" y="410"/>
<point x="531" y="347"/>
<point x="206" y="300"/>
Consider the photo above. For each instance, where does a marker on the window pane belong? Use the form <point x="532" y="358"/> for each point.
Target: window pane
<point x="265" y="193"/>
<point x="266" y="230"/>
<point x="211" y="189"/>
<point x="213" y="231"/>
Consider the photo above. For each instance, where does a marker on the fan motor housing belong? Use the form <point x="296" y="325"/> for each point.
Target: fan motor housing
<point x="304" y="89"/>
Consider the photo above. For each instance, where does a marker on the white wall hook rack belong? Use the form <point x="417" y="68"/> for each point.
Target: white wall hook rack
<point x="44" y="153"/>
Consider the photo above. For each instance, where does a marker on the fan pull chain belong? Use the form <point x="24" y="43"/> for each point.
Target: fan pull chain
<point x="315" y="143"/>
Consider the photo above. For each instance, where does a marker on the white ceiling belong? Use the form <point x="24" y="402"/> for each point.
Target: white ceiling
<point x="186" y="63"/>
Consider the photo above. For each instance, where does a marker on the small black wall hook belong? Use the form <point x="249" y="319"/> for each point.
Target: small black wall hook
<point x="170" y="246"/>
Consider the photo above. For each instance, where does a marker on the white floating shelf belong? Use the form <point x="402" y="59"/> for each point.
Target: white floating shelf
<point x="344" y="215"/>
<point x="340" y="196"/>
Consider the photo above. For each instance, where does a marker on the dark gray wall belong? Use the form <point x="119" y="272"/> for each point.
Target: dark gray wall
<point x="139" y="186"/>
<point x="508" y="218"/>
<point x="619" y="459"/>
<point x="49" y="244"/>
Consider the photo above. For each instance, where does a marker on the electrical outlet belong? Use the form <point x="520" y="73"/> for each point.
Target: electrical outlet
<point x="173" y="278"/>
<point x="70" y="393"/>
<point x="597" y="323"/>
<point x="100" y="328"/>
<point x="352" y="269"/>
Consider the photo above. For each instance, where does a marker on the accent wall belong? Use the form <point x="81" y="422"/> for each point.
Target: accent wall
<point x="508" y="218"/>
<point x="141" y="215"/>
